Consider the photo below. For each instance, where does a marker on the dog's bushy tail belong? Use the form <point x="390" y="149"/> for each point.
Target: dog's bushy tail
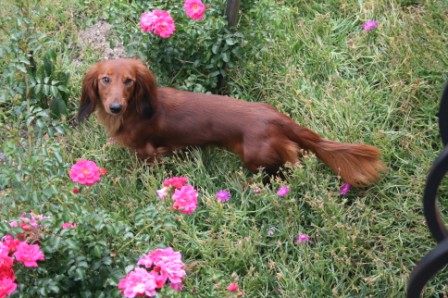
<point x="356" y="164"/>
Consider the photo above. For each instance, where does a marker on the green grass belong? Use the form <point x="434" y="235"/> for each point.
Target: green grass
<point x="311" y="60"/>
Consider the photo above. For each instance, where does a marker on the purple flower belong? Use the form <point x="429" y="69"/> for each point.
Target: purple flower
<point x="283" y="191"/>
<point x="2" y="156"/>
<point x="369" y="25"/>
<point x="344" y="189"/>
<point x="302" y="238"/>
<point x="271" y="232"/>
<point x="223" y="195"/>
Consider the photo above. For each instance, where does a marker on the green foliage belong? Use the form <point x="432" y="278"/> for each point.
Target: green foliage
<point x="196" y="57"/>
<point x="30" y="72"/>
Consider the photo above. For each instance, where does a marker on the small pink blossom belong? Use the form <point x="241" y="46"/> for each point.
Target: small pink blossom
<point x="14" y="224"/>
<point x="223" y="195"/>
<point x="10" y="242"/>
<point x="29" y="254"/>
<point x="185" y="199"/>
<point x="195" y="9"/>
<point x="232" y="287"/>
<point x="158" y="22"/>
<point x="162" y="192"/>
<point x="283" y="191"/>
<point x="369" y="25"/>
<point x="4" y="249"/>
<point x="166" y="264"/>
<point x="68" y="225"/>
<point x="302" y="238"/>
<point x="176" y="182"/>
<point x="345" y="188"/>
<point x="7" y="286"/>
<point x="138" y="282"/>
<point x="85" y="172"/>
<point x="257" y="191"/>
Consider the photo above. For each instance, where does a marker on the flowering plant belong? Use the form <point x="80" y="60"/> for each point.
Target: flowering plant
<point x="187" y="43"/>
<point x="159" y="267"/>
<point x="185" y="196"/>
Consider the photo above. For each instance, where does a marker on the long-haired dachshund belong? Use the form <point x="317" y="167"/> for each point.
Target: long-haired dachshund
<point x="156" y="121"/>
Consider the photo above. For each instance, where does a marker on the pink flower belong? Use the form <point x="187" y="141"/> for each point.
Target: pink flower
<point x="344" y="189"/>
<point x="283" y="191"/>
<point x="369" y="25"/>
<point x="14" y="224"/>
<point x="75" y="190"/>
<point x="195" y="9"/>
<point x="29" y="254"/>
<point x="7" y="286"/>
<point x="232" y="287"/>
<point x="158" y="22"/>
<point x="176" y="182"/>
<point x="302" y="238"/>
<point x="85" y="172"/>
<point x="138" y="282"/>
<point x="165" y="264"/>
<point x="4" y="249"/>
<point x="162" y="192"/>
<point x="185" y="199"/>
<point x="223" y="195"/>
<point x="10" y="242"/>
<point x="68" y="225"/>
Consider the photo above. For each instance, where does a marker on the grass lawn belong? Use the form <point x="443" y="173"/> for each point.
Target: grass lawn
<point x="310" y="60"/>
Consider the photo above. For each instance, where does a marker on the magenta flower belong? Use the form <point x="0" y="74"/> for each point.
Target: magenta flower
<point x="195" y="9"/>
<point x="166" y="264"/>
<point x="11" y="242"/>
<point x="344" y="189"/>
<point x="138" y="282"/>
<point x="68" y="225"/>
<point x="158" y="22"/>
<point x="4" y="249"/>
<point x="185" y="199"/>
<point x="223" y="195"/>
<point x="85" y="172"/>
<point x="176" y="182"/>
<point x="283" y="191"/>
<point x="7" y="286"/>
<point x="29" y="254"/>
<point x="369" y="25"/>
<point x="232" y="287"/>
<point x="302" y="238"/>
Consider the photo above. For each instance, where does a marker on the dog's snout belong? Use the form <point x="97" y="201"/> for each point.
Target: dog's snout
<point x="115" y="108"/>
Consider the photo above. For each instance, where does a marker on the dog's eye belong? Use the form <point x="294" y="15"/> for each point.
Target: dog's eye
<point x="105" y="80"/>
<point x="128" y="81"/>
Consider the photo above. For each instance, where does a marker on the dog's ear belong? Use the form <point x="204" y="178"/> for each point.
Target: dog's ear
<point x="89" y="95"/>
<point x="145" y="89"/>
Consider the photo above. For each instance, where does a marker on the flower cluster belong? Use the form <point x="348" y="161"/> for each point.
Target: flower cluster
<point x="23" y="247"/>
<point x="86" y="172"/>
<point x="185" y="196"/>
<point x="160" y="22"/>
<point x="159" y="267"/>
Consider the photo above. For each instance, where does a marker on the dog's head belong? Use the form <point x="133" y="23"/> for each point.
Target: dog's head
<point x="118" y="86"/>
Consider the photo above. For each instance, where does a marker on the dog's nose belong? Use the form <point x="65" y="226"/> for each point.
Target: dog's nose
<point x="115" y="108"/>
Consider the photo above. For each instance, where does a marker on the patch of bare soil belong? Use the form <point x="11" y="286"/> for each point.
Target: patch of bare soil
<point x="96" y="37"/>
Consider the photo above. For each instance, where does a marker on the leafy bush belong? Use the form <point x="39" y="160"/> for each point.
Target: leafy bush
<point x="195" y="57"/>
<point x="30" y="73"/>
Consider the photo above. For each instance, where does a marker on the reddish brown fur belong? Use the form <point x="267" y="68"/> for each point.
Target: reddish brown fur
<point x="155" y="121"/>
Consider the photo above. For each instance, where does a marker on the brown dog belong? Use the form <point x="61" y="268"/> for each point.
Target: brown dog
<point x="156" y="121"/>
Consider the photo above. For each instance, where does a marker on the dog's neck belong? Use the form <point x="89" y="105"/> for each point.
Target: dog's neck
<point x="112" y="124"/>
